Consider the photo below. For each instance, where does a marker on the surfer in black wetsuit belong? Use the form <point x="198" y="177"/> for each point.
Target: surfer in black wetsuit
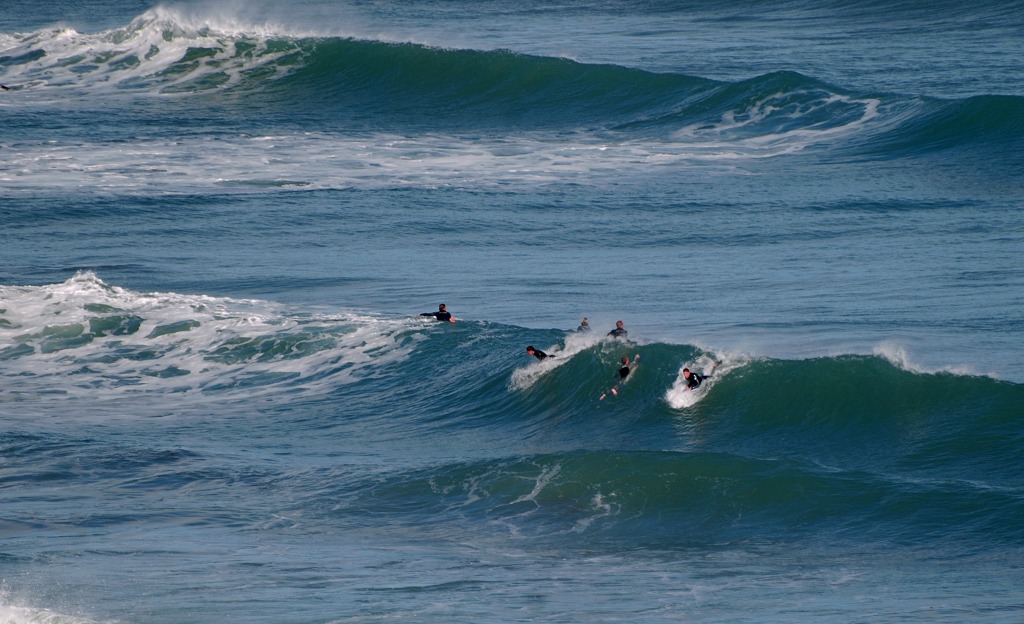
<point x="625" y="370"/>
<point x="693" y="380"/>
<point x="537" y="353"/>
<point x="619" y="331"/>
<point x="442" y="314"/>
<point x="584" y="326"/>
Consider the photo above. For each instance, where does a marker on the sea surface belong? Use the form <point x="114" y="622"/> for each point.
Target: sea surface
<point x="221" y="221"/>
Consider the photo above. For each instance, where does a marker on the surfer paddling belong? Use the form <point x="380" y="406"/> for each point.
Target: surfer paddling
<point x="693" y="380"/>
<point x="442" y="314"/>
<point x="537" y="353"/>
<point x="623" y="373"/>
<point x="619" y="331"/>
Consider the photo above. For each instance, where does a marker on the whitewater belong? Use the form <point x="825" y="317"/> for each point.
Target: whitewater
<point x="220" y="223"/>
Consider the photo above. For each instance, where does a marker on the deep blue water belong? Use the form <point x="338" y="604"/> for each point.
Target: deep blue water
<point x="220" y="223"/>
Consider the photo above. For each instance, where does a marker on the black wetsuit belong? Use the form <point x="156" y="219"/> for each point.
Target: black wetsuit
<point x="441" y="316"/>
<point x="618" y="332"/>
<point x="694" y="380"/>
<point x="624" y="371"/>
<point x="540" y="355"/>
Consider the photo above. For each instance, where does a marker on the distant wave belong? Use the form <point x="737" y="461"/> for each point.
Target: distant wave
<point x="376" y="84"/>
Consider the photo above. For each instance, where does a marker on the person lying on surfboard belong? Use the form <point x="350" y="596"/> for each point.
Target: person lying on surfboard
<point x="537" y="353"/>
<point x="693" y="380"/>
<point x="623" y="372"/>
<point x="442" y="314"/>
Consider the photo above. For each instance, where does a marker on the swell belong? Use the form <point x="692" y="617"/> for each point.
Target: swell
<point x="660" y="499"/>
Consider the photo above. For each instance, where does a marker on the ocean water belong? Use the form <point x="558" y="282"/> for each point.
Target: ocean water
<point x="220" y="221"/>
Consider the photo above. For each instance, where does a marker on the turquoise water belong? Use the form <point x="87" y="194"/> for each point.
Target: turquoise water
<point x="219" y="402"/>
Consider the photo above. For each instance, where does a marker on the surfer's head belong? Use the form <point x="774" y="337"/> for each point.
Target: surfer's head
<point x="441" y="308"/>
<point x="625" y="359"/>
<point x="530" y="350"/>
<point x="686" y="373"/>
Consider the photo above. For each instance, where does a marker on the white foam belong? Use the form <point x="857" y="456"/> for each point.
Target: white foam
<point x="138" y="56"/>
<point x="602" y="506"/>
<point x="317" y="160"/>
<point x="11" y="613"/>
<point x="728" y="138"/>
<point x="199" y="348"/>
